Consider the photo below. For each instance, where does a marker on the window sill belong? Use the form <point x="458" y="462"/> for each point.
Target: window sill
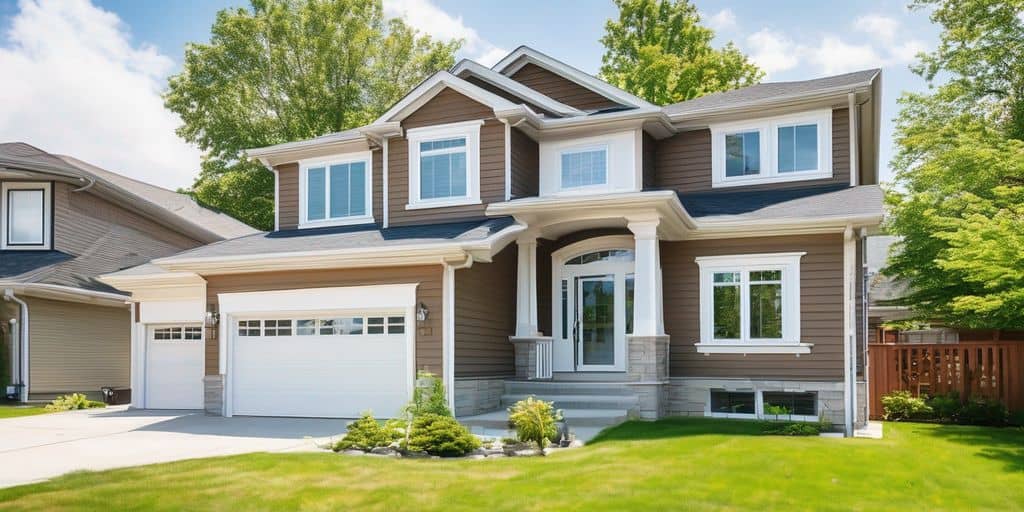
<point x="774" y="178"/>
<point x="346" y="221"/>
<point x="442" y="204"/>
<point x="752" y="348"/>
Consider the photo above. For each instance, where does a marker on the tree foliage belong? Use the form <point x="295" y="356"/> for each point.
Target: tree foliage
<point x="958" y="198"/>
<point x="658" y="50"/>
<point x="286" y="70"/>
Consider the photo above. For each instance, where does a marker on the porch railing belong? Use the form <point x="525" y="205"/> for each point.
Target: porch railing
<point x="545" y="349"/>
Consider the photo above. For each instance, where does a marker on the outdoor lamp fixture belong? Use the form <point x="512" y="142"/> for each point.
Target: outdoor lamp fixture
<point x="212" y="317"/>
<point x="422" y="312"/>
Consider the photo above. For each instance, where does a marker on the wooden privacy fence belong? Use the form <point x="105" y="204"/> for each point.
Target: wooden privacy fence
<point x="993" y="370"/>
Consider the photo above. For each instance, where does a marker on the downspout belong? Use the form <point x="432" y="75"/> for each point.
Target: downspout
<point x="864" y="302"/>
<point x="448" y="329"/>
<point x="23" y="345"/>
<point x="852" y="112"/>
<point x="849" y="337"/>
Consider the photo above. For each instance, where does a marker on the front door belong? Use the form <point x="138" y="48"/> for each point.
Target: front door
<point x="596" y="320"/>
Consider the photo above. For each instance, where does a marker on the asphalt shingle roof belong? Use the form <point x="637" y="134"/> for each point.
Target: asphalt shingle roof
<point x="803" y="202"/>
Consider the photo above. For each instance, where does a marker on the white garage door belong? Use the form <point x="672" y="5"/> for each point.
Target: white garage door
<point x="325" y="365"/>
<point x="174" y="367"/>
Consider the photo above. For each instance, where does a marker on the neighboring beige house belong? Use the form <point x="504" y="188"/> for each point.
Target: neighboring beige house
<point x="530" y="229"/>
<point x="63" y="222"/>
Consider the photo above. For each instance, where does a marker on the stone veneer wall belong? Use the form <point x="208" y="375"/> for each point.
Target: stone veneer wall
<point x="478" y="395"/>
<point x="690" y="396"/>
<point x="648" y="374"/>
<point x="213" y="394"/>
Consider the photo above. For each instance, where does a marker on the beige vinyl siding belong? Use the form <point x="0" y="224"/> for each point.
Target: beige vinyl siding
<point x="525" y="156"/>
<point x="485" y="309"/>
<point x="447" y="107"/>
<point x="821" y="304"/>
<point x="77" y="347"/>
<point x="683" y="161"/>
<point x="428" y="333"/>
<point x="288" y="192"/>
<point x="560" y="89"/>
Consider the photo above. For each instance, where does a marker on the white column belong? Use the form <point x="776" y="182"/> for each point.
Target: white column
<point x="648" y="318"/>
<point x="526" y="288"/>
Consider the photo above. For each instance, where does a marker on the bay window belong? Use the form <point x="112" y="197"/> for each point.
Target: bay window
<point x="750" y="304"/>
<point x="26" y="216"/>
<point x="336" y="190"/>
<point x="444" y="165"/>
<point x="778" y="149"/>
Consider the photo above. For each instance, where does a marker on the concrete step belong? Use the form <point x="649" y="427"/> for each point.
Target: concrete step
<point x="498" y="420"/>
<point x="547" y="388"/>
<point x="590" y="376"/>
<point x="577" y="401"/>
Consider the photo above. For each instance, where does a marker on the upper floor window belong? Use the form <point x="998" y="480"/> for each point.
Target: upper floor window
<point x="584" y="167"/>
<point x="336" y="190"/>
<point x="779" y="149"/>
<point x="444" y="165"/>
<point x="26" y="216"/>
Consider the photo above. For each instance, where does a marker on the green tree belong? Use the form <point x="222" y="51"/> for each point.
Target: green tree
<point x="286" y="70"/>
<point x="658" y="50"/>
<point x="957" y="201"/>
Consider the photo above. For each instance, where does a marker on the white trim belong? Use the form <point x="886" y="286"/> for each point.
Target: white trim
<point x="47" y="221"/>
<point x="584" y="148"/>
<point x="365" y="157"/>
<point x="849" y="330"/>
<point x="384" y="181"/>
<point x="853" y="112"/>
<point x="789" y="264"/>
<point x="448" y="330"/>
<point x="759" y="405"/>
<point x="501" y="81"/>
<point x="523" y="55"/>
<point x="437" y="83"/>
<point x="470" y="130"/>
<point x="768" y="141"/>
<point x="508" y="160"/>
<point x="277" y="199"/>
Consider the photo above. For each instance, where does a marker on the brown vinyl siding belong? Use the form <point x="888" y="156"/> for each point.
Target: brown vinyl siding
<point x="485" y="310"/>
<point x="561" y="89"/>
<point x="648" y="155"/>
<point x="683" y="161"/>
<point x="508" y="96"/>
<point x="525" y="165"/>
<point x="447" y="107"/>
<point x="821" y="304"/>
<point x="77" y="347"/>
<point x="288" y="191"/>
<point x="428" y="333"/>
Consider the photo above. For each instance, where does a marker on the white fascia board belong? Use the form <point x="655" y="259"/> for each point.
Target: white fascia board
<point x="770" y="227"/>
<point x="570" y="73"/>
<point x="499" y="80"/>
<point x="67" y="293"/>
<point x="434" y="85"/>
<point x="333" y="138"/>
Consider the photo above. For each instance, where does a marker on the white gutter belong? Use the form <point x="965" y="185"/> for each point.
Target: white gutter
<point x="849" y="319"/>
<point x="448" y="326"/>
<point x="62" y="292"/>
<point x="22" y="372"/>
<point x="852" y="112"/>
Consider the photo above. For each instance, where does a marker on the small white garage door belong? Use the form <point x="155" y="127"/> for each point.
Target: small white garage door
<point x="325" y="365"/>
<point x="174" y="367"/>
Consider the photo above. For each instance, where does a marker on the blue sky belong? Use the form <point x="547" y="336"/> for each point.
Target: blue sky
<point x="91" y="86"/>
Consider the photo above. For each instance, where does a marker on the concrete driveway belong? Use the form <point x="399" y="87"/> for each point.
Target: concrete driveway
<point x="40" y="447"/>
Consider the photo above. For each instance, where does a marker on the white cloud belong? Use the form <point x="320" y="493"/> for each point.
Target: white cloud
<point x="833" y="56"/>
<point x="426" y="17"/>
<point x="82" y="88"/>
<point x="881" y="27"/>
<point x="772" y="51"/>
<point x="722" y="20"/>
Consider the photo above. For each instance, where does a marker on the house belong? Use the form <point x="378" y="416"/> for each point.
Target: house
<point x="63" y="223"/>
<point x="530" y="229"/>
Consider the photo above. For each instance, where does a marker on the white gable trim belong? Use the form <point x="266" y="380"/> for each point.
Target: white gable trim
<point x="513" y="87"/>
<point x="438" y="82"/>
<point x="524" y="55"/>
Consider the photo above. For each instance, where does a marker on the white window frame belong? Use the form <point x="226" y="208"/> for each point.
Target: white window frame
<point x="769" y="145"/>
<point x="583" y="148"/>
<point x="326" y="162"/>
<point x="759" y="405"/>
<point x="789" y="264"/>
<point x="47" y="220"/>
<point x="470" y="130"/>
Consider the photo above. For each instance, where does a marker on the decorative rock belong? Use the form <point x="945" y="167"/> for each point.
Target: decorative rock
<point x="385" y="451"/>
<point x="496" y="455"/>
<point x="479" y="451"/>
<point x="416" y="455"/>
<point x="476" y="456"/>
<point x="353" y="452"/>
<point x="525" y="453"/>
<point x="492" y="452"/>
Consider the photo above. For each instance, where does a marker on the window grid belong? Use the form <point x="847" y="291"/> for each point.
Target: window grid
<point x="443" y="168"/>
<point x="344" y="325"/>
<point x="584" y="168"/>
<point x="178" y="333"/>
<point x="747" y="297"/>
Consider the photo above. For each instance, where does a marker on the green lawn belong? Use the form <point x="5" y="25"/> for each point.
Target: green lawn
<point x="8" y="410"/>
<point x="672" y="464"/>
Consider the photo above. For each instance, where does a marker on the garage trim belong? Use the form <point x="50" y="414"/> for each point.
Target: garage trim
<point x="349" y="299"/>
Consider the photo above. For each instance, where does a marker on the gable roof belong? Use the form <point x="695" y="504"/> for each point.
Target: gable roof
<point x="770" y="92"/>
<point x="439" y="81"/>
<point x="526" y="55"/>
<point x="469" y="67"/>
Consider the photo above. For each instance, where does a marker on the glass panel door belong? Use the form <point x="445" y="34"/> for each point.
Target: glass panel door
<point x="596" y="317"/>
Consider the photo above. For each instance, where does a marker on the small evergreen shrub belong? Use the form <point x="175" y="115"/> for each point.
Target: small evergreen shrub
<point x="535" y="421"/>
<point x="429" y="399"/>
<point x="792" y="428"/>
<point x="901" y="405"/>
<point x="984" y="411"/>
<point x="366" y="434"/>
<point x="441" y="435"/>
<point x="73" y="402"/>
<point x="945" y="407"/>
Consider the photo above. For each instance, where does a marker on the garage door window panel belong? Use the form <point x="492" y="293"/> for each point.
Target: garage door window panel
<point x="277" y="327"/>
<point x="249" y="328"/>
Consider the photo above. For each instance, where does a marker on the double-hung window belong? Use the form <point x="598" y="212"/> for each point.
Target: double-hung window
<point x="778" y="149"/>
<point x="584" y="167"/>
<point x="336" y="190"/>
<point x="750" y="304"/>
<point x="444" y="165"/>
<point x="26" y="216"/>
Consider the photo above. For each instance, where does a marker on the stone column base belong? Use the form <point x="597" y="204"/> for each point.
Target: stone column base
<point x="213" y="394"/>
<point x="526" y="355"/>
<point x="647" y="368"/>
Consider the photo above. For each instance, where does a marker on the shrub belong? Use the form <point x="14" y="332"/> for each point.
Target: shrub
<point x="429" y="399"/>
<point x="945" y="407"/>
<point x="366" y="434"/>
<point x="535" y="421"/>
<point x="73" y="402"/>
<point x="792" y="428"/>
<point x="776" y="410"/>
<point x="984" y="411"/>
<point x="901" y="405"/>
<point x="440" y="435"/>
